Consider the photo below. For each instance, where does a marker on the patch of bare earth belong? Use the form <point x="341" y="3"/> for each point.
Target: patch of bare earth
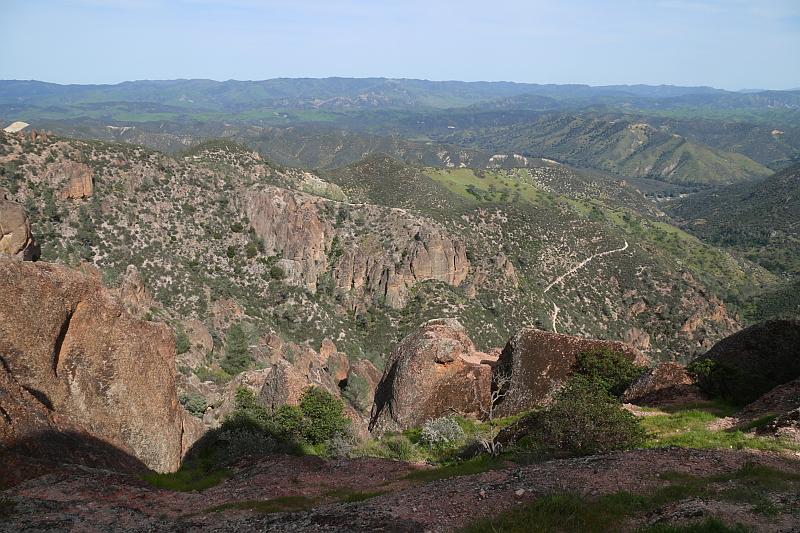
<point x="92" y="500"/>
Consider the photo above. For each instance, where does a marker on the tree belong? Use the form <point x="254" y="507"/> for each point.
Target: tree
<point x="237" y="350"/>
<point x="501" y="382"/>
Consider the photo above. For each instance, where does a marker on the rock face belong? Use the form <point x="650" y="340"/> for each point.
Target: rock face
<point x="538" y="362"/>
<point x="314" y="235"/>
<point x="74" y="178"/>
<point x="15" y="231"/>
<point x="70" y="344"/>
<point x="34" y="440"/>
<point x="433" y="372"/>
<point x="756" y="359"/>
<point x="667" y="383"/>
<point x="782" y="402"/>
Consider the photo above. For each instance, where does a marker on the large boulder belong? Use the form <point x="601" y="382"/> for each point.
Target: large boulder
<point x="665" y="384"/>
<point x="16" y="239"/>
<point x="67" y="341"/>
<point x="538" y="362"/>
<point x="434" y="371"/>
<point x="749" y="363"/>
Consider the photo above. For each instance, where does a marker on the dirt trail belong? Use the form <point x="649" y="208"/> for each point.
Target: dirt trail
<point x="582" y="264"/>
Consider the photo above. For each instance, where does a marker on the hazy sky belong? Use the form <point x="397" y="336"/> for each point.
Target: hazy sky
<point x="732" y="44"/>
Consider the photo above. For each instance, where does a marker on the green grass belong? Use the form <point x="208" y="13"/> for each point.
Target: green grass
<point x="574" y="512"/>
<point x="275" y="505"/>
<point x="689" y="429"/>
<point x="188" y="478"/>
<point x="349" y="496"/>
<point x="711" y="525"/>
<point x="480" y="464"/>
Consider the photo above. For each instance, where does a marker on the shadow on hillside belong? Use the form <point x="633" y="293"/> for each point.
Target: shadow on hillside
<point x="45" y="452"/>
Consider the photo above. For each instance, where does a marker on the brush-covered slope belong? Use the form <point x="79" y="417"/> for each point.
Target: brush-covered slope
<point x="622" y="146"/>
<point x="366" y="253"/>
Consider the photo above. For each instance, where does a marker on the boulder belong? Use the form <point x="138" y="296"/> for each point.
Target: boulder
<point x="35" y="440"/>
<point x="778" y="402"/>
<point x="538" y="362"/>
<point x="431" y="374"/>
<point x="753" y="361"/>
<point x="16" y="239"/>
<point x="666" y="383"/>
<point x="72" y="346"/>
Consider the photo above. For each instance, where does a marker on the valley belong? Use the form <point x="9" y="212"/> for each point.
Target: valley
<point x="336" y="304"/>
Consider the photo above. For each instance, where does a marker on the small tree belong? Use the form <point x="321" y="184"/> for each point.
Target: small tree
<point x="501" y="382"/>
<point x="237" y="350"/>
<point x="611" y="370"/>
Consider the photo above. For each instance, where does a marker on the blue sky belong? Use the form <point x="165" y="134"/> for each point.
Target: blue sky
<point x="732" y="44"/>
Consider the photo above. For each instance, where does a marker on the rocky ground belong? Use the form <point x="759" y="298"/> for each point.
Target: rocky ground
<point x="83" y="499"/>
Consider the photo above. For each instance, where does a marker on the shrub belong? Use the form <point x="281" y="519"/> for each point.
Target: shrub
<point x="276" y="273"/>
<point x="398" y="447"/>
<point x="181" y="341"/>
<point x="728" y="382"/>
<point x="194" y="403"/>
<point x="441" y="432"/>
<point x="323" y="416"/>
<point x="237" y="350"/>
<point x="611" y="370"/>
<point x="341" y="445"/>
<point x="585" y="419"/>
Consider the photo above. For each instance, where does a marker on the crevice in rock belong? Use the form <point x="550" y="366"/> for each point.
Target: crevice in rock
<point x="59" y="344"/>
<point x="5" y="415"/>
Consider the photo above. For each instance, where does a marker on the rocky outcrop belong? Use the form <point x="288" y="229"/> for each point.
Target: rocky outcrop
<point x="753" y="361"/>
<point x="779" y="403"/>
<point x="314" y="235"/>
<point x="299" y="367"/>
<point x="666" y="383"/>
<point x="16" y="239"/>
<point x="72" y="346"/>
<point x="538" y="362"/>
<point x="34" y="440"/>
<point x="75" y="179"/>
<point x="433" y="372"/>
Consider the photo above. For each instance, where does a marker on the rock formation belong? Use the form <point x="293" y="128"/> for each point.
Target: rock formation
<point x="15" y="231"/>
<point x="433" y="372"/>
<point x="309" y="235"/>
<point x="755" y="360"/>
<point x="70" y="344"/>
<point x="75" y="179"/>
<point x="537" y="362"/>
<point x="666" y="383"/>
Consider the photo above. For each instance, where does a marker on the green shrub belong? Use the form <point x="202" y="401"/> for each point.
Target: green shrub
<point x="194" y="403"/>
<point x="181" y="341"/>
<point x="323" y="416"/>
<point x="398" y="447"/>
<point x="276" y="273"/>
<point x="237" y="350"/>
<point x="584" y="419"/>
<point x="613" y="371"/>
<point x="728" y="382"/>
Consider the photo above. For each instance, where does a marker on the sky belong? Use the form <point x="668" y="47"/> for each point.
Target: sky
<point x="730" y="44"/>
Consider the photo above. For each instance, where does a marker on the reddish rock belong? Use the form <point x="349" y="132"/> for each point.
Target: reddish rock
<point x="16" y="239"/>
<point x="65" y="338"/>
<point x="538" y="362"/>
<point x="74" y="178"/>
<point x="667" y="383"/>
<point x="428" y="376"/>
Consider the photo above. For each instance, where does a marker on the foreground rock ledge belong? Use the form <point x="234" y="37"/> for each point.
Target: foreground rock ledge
<point x="65" y="340"/>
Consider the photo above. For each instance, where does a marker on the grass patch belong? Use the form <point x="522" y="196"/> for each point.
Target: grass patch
<point x="464" y="468"/>
<point x="188" y="478"/>
<point x="689" y="429"/>
<point x="275" y="505"/>
<point x="574" y="512"/>
<point x="349" y="496"/>
<point x="711" y="525"/>
<point x="759" y="422"/>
